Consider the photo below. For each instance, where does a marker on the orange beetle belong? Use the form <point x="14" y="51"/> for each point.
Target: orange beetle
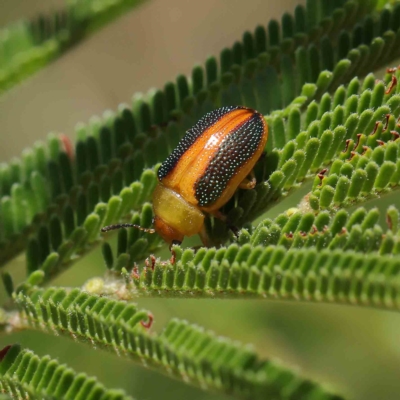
<point x="213" y="159"/>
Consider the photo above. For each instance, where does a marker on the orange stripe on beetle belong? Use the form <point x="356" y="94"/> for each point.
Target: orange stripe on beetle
<point x="204" y="137"/>
<point x="203" y="172"/>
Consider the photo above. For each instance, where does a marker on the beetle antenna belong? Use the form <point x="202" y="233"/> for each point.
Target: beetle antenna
<point x="119" y="226"/>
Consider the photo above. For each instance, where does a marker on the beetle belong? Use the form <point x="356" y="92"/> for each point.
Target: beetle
<point x="212" y="160"/>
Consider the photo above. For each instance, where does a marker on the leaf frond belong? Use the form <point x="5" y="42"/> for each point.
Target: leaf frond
<point x="28" y="46"/>
<point x="117" y="142"/>
<point x="271" y="272"/>
<point x="354" y="124"/>
<point x="186" y="352"/>
<point x="339" y="125"/>
<point x="71" y="234"/>
<point x="359" y="231"/>
<point x="24" y="375"/>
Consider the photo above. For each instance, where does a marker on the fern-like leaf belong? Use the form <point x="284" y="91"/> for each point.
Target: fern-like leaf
<point x="271" y="272"/>
<point x="118" y="139"/>
<point x="73" y="234"/>
<point x="354" y="123"/>
<point x="322" y="139"/>
<point x="27" y="46"/>
<point x="24" y="375"/>
<point x="359" y="231"/>
<point x="186" y="352"/>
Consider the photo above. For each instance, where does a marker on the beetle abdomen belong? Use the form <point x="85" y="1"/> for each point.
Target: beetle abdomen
<point x="235" y="151"/>
<point x="211" y="168"/>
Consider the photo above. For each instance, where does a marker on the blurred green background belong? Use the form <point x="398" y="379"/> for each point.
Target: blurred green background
<point x="355" y="351"/>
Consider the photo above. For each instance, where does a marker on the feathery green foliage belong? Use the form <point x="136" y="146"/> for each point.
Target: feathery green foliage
<point x="295" y="229"/>
<point x="24" y="375"/>
<point x="28" y="46"/>
<point x="359" y="231"/>
<point x="331" y="122"/>
<point x="312" y="273"/>
<point x="64" y="240"/>
<point x="136" y="137"/>
<point x="329" y="126"/>
<point x="304" y="145"/>
<point x="183" y="350"/>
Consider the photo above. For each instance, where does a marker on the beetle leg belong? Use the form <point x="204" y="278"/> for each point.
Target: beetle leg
<point x="204" y="237"/>
<point x="249" y="183"/>
<point x="234" y="229"/>
<point x="218" y="214"/>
